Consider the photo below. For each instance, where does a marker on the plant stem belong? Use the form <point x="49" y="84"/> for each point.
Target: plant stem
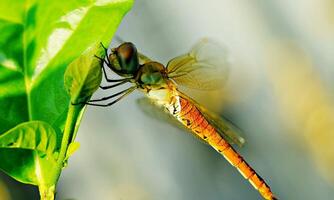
<point x="68" y="131"/>
<point x="47" y="193"/>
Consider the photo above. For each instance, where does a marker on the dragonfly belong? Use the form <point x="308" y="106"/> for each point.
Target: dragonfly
<point x="204" y="67"/>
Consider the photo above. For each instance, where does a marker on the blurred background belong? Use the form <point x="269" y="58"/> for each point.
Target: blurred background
<point x="280" y="93"/>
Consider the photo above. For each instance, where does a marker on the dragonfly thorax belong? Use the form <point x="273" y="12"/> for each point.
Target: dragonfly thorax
<point x="152" y="76"/>
<point x="152" y="79"/>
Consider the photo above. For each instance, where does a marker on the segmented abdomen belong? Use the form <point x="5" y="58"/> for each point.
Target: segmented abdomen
<point x="189" y="115"/>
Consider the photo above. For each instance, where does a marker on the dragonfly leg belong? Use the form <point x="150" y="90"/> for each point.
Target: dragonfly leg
<point x="105" y="73"/>
<point x="105" y="48"/>
<point x="107" y="61"/>
<point x="106" y="53"/>
<point x="126" y="92"/>
<point x="111" y="96"/>
<point x="122" y="81"/>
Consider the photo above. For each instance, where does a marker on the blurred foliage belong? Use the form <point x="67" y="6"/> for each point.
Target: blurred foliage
<point x="4" y="194"/>
<point x="38" y="40"/>
<point x="305" y="102"/>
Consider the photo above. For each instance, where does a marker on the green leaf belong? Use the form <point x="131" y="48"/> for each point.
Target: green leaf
<point x="73" y="147"/>
<point x="38" y="39"/>
<point x="35" y="135"/>
<point x="28" y="152"/>
<point x="83" y="76"/>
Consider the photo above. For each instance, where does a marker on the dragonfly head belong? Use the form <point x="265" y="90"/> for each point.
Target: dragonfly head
<point x="124" y="59"/>
<point x="152" y="75"/>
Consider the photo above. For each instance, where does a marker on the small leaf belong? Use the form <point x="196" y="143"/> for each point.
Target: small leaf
<point x="34" y="135"/>
<point x="19" y="164"/>
<point x="36" y="49"/>
<point x="83" y="75"/>
<point x="73" y="147"/>
<point x="27" y="150"/>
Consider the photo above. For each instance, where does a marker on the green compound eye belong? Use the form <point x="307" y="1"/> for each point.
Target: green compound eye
<point x="151" y="78"/>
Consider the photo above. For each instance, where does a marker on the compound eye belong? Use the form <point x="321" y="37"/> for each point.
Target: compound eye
<point x="127" y="51"/>
<point x="127" y="57"/>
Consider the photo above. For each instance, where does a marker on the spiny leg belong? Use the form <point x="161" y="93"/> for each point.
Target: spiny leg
<point x="115" y="85"/>
<point x="122" y="81"/>
<point x="105" y="73"/>
<point x="111" y="96"/>
<point x="124" y="92"/>
<point x="115" y="101"/>
<point x="107" y="61"/>
<point x="102" y="66"/>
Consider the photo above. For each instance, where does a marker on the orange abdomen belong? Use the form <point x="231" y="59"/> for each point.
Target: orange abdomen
<point x="192" y="118"/>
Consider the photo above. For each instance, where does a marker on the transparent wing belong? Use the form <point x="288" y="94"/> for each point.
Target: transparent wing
<point x="205" y="67"/>
<point x="224" y="126"/>
<point x="155" y="111"/>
